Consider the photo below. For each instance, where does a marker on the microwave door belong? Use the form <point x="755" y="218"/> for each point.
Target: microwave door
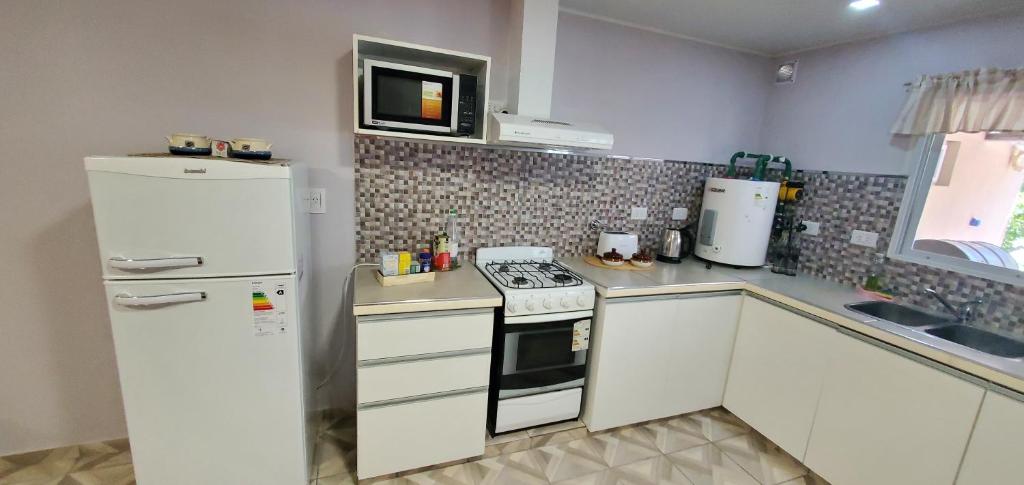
<point x="398" y="96"/>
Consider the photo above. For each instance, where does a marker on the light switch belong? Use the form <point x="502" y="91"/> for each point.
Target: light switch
<point x="680" y="213"/>
<point x="864" y="238"/>
<point x="638" y="213"/>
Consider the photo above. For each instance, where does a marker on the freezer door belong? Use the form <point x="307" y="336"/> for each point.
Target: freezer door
<point x="211" y="380"/>
<point x="186" y="218"/>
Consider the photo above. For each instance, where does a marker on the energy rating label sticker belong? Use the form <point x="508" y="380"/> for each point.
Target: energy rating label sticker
<point x="269" y="314"/>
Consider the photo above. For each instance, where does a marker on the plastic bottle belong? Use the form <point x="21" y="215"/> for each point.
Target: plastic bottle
<point x="452" y="228"/>
<point x="876" y="275"/>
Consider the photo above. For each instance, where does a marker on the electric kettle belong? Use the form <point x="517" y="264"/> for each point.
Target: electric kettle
<point x="676" y="244"/>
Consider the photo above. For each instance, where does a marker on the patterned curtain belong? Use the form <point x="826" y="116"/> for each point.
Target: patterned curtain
<point x="971" y="101"/>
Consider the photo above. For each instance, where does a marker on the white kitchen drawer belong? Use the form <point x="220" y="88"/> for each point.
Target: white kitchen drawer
<point x="414" y="378"/>
<point x="526" y="411"/>
<point x="423" y="333"/>
<point x="399" y="437"/>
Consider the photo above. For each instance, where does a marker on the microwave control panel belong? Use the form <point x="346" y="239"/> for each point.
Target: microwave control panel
<point x="466" y="105"/>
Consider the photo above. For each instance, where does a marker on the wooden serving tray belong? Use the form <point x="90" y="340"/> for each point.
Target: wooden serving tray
<point x="627" y="266"/>
<point x="404" y="279"/>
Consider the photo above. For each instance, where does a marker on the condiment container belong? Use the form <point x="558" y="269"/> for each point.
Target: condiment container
<point x="442" y="259"/>
<point x="404" y="260"/>
<point x="425" y="258"/>
<point x="388" y="264"/>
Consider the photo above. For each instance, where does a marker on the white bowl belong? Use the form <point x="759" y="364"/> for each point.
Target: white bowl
<point x="641" y="264"/>
<point x="188" y="140"/>
<point x="612" y="263"/>
<point x="250" y="145"/>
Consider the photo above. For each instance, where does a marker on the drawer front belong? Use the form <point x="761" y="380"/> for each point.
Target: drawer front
<point x="527" y="411"/>
<point x="404" y="436"/>
<point x="445" y="332"/>
<point x="406" y="379"/>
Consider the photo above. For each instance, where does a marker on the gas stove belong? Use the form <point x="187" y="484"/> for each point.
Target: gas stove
<point x="533" y="282"/>
<point x="541" y="337"/>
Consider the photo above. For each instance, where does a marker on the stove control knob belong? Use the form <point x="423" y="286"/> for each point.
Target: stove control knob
<point x="511" y="306"/>
<point x="581" y="300"/>
<point x="547" y="303"/>
<point x="565" y="302"/>
<point x="529" y="305"/>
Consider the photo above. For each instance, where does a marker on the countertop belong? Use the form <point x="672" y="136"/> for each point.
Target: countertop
<point x="451" y="290"/>
<point x="820" y="298"/>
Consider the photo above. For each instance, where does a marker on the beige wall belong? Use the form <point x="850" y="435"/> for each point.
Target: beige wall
<point x="111" y="77"/>
<point x="982" y="186"/>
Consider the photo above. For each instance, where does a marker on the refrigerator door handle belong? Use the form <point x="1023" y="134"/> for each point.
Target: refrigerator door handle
<point x="127" y="300"/>
<point x="155" y="263"/>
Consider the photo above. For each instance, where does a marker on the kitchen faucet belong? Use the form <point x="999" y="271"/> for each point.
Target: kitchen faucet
<point x="965" y="313"/>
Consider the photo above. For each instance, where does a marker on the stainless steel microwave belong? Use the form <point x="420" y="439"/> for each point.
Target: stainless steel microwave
<point x="420" y="99"/>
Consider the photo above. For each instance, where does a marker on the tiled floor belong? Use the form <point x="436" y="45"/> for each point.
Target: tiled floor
<point x="707" y="448"/>
<point x="106" y="463"/>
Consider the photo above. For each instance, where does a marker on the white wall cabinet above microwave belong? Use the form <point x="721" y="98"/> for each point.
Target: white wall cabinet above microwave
<point x="408" y="90"/>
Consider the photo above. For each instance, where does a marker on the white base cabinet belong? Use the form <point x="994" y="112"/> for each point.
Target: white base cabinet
<point x="994" y="453"/>
<point x="421" y="389"/>
<point x="778" y="366"/>
<point x="655" y="357"/>
<point x="886" y="419"/>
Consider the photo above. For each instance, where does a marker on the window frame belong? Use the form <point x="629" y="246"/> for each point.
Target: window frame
<point x="923" y="163"/>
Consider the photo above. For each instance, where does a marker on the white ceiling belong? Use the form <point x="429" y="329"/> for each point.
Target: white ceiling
<point x="780" y="27"/>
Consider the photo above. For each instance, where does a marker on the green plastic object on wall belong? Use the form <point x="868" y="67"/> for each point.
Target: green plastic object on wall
<point x="760" y="165"/>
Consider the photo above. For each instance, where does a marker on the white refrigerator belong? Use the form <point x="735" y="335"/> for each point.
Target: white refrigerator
<point x="204" y="268"/>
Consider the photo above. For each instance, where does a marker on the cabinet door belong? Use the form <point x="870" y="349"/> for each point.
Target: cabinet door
<point x="700" y="351"/>
<point x="778" y="364"/>
<point x="994" y="454"/>
<point x="886" y="419"/>
<point x="630" y="343"/>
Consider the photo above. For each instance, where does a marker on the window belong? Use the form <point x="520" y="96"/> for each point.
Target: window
<point x="964" y="206"/>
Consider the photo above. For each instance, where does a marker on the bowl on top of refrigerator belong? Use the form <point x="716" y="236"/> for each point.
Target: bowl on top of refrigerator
<point x="188" y="144"/>
<point x="250" y="148"/>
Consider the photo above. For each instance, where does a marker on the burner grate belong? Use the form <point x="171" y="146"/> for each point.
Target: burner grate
<point x="532" y="274"/>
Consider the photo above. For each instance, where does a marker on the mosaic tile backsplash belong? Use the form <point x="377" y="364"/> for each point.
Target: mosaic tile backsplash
<point x="507" y="197"/>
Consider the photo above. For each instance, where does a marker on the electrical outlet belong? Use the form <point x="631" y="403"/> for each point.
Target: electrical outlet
<point x="315" y="200"/>
<point x="864" y="238"/>
<point x="813" y="228"/>
<point x="680" y="213"/>
<point x="638" y="213"/>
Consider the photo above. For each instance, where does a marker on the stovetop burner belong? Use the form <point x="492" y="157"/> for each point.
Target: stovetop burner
<point x="532" y="274"/>
<point x="561" y="278"/>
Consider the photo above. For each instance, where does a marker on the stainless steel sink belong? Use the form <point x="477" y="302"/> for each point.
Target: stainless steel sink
<point x="977" y="339"/>
<point x="900" y="314"/>
<point x="942" y="326"/>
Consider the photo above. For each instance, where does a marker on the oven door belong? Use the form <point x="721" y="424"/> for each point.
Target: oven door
<point x="409" y="97"/>
<point x="542" y="356"/>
